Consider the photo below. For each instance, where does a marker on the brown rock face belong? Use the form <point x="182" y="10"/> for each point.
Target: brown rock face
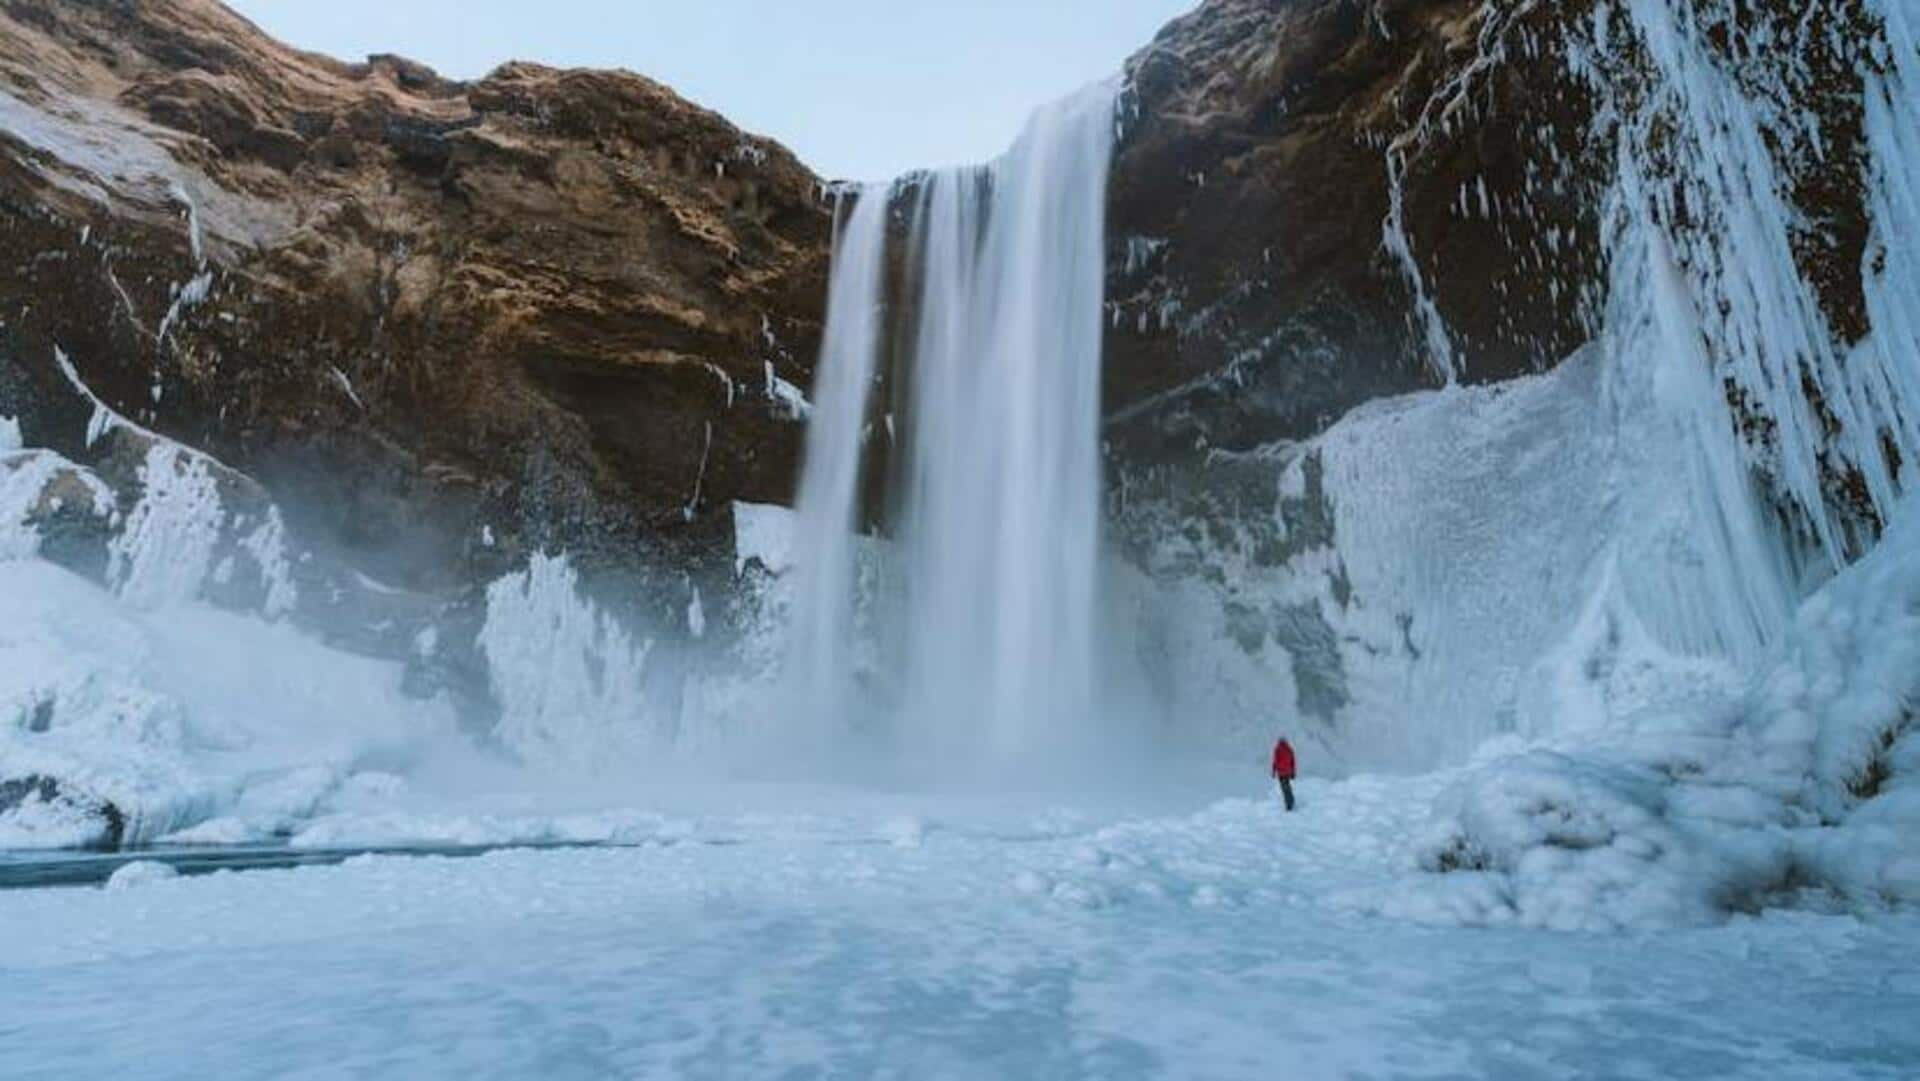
<point x="1278" y="151"/>
<point x="549" y="303"/>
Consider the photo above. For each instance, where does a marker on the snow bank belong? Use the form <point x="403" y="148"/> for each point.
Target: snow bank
<point x="130" y="724"/>
<point x="1575" y="842"/>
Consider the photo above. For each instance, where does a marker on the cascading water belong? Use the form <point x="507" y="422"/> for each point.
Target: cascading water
<point x="820" y="658"/>
<point x="997" y="537"/>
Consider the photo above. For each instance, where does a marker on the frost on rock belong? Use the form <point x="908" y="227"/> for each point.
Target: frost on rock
<point x="762" y="533"/>
<point x="266" y="544"/>
<point x="103" y="153"/>
<point x="38" y="487"/>
<point x="189" y="523"/>
<point x="789" y="401"/>
<point x="164" y="553"/>
<point x="187" y="297"/>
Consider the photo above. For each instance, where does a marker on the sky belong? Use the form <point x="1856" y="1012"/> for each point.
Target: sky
<point x="860" y="89"/>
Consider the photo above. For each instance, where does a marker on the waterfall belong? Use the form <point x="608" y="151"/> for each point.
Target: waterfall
<point x="819" y="664"/>
<point x="992" y="342"/>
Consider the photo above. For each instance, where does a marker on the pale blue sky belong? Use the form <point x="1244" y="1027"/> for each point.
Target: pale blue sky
<point x="860" y="89"/>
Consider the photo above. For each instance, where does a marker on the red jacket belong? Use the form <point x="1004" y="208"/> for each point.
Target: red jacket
<point x="1283" y="760"/>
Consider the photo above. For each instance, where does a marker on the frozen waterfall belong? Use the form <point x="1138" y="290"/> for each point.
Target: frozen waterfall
<point x="989" y="343"/>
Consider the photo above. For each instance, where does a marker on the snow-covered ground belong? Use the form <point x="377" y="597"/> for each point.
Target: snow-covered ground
<point x="1224" y="942"/>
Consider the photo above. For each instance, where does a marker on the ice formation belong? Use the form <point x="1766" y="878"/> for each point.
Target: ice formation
<point x="180" y="714"/>
<point x="570" y="680"/>
<point x="167" y="690"/>
<point x="1806" y="780"/>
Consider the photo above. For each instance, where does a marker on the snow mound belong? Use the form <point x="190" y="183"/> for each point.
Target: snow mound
<point x="140" y="873"/>
<point x="1571" y="843"/>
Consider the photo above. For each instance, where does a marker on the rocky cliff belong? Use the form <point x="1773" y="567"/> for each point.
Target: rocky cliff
<point x="437" y="326"/>
<point x="443" y="323"/>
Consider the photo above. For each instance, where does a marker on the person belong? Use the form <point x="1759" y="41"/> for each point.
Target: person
<point x="1283" y="769"/>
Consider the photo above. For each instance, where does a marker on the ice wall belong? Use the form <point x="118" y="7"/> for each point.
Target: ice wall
<point x="1715" y="113"/>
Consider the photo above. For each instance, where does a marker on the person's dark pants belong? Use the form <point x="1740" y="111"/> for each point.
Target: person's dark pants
<point x="1286" y="791"/>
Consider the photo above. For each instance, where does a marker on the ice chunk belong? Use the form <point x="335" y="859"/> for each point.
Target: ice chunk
<point x="763" y="532"/>
<point x="140" y="873"/>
